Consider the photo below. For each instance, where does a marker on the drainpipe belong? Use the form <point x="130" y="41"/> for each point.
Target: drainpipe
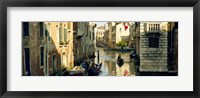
<point x="98" y="56"/>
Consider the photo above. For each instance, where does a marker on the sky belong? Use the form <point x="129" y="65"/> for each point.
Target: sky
<point x="100" y="23"/>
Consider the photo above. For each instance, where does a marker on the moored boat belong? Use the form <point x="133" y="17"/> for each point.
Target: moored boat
<point x="77" y="71"/>
<point x="120" y="62"/>
<point x="95" y="71"/>
<point x="133" y="55"/>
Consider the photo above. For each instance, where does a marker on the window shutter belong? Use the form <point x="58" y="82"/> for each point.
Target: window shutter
<point x="65" y="35"/>
<point x="41" y="29"/>
<point x="60" y="35"/>
<point x="25" y="28"/>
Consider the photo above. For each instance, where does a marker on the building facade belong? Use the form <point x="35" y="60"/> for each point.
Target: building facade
<point x="132" y="37"/>
<point x="153" y="47"/>
<point x="137" y="37"/>
<point x="111" y="34"/>
<point x="118" y="31"/>
<point x="100" y="33"/>
<point x="47" y="48"/>
<point x="59" y="47"/>
<point x="33" y="49"/>
<point x="84" y="41"/>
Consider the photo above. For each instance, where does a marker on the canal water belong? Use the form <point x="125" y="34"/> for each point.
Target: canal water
<point x="109" y="63"/>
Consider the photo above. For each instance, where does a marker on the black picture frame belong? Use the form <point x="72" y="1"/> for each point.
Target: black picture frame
<point x="98" y="3"/>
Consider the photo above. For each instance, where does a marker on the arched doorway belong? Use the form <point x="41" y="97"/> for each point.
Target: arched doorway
<point x="54" y="64"/>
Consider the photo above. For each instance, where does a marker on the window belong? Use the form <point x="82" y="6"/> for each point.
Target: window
<point x="49" y="32"/>
<point x="93" y="36"/>
<point x="86" y="27"/>
<point x="65" y="35"/>
<point x="25" y="28"/>
<point x="61" y="35"/>
<point x="46" y="63"/>
<point x="27" y="59"/>
<point x="112" y="28"/>
<point x="69" y="25"/>
<point x="58" y="34"/>
<point x="90" y="34"/>
<point x="153" y="40"/>
<point x="41" y="56"/>
<point x="54" y="63"/>
<point x="49" y="36"/>
<point x="41" y="29"/>
<point x="46" y="32"/>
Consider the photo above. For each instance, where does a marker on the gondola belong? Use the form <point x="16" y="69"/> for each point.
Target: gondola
<point x="77" y="71"/>
<point x="95" y="71"/>
<point x="137" y="61"/>
<point x="132" y="55"/>
<point x="120" y="62"/>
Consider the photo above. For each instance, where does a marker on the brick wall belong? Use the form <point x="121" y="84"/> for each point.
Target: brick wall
<point x="152" y="59"/>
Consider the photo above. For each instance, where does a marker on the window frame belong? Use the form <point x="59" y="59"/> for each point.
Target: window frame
<point x="25" y="71"/>
<point x="41" y="25"/>
<point x="155" y="37"/>
<point x="23" y="29"/>
<point x="42" y="66"/>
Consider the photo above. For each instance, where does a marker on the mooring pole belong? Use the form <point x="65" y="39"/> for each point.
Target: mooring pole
<point x="97" y="56"/>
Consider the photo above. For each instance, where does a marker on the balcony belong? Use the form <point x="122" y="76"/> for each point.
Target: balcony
<point x="63" y="43"/>
<point x="152" y="28"/>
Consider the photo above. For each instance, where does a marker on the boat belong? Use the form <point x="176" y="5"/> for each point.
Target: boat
<point x="95" y="71"/>
<point x="133" y="55"/>
<point x="84" y="65"/>
<point x="137" y="60"/>
<point x="77" y="71"/>
<point x="120" y="62"/>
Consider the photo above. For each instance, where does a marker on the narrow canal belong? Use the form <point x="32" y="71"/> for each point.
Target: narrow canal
<point x="109" y="63"/>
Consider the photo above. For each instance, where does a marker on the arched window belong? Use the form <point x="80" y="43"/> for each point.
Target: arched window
<point x="54" y="63"/>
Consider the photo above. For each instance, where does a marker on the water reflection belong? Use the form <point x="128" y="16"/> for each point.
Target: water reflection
<point x="110" y="67"/>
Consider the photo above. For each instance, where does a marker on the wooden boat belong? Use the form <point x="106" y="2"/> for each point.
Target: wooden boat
<point x="132" y="55"/>
<point x="120" y="62"/>
<point x="95" y="71"/>
<point x="77" y="71"/>
<point x="137" y="61"/>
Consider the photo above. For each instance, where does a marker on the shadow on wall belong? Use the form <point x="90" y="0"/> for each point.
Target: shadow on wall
<point x="173" y="47"/>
